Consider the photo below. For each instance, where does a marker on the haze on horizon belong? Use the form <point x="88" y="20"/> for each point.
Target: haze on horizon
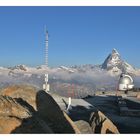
<point x="78" y="35"/>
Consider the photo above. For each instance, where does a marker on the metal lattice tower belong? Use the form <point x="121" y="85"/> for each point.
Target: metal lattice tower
<point x="46" y="86"/>
<point x="46" y="43"/>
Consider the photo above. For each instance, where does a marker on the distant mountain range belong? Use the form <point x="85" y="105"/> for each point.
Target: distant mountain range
<point x="86" y="78"/>
<point x="113" y="64"/>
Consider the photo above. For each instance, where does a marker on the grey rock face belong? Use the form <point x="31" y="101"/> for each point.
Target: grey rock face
<point x="84" y="127"/>
<point x="114" y="61"/>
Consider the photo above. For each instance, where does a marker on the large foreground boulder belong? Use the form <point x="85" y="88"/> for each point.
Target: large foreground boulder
<point x="50" y="111"/>
<point x="101" y="124"/>
<point x="18" y="110"/>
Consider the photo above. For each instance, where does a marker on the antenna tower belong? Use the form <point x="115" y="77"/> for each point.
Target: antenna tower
<point x="46" y="42"/>
<point x="46" y="86"/>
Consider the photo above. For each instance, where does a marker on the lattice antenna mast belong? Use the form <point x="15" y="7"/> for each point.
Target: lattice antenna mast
<point x="46" y="42"/>
<point x="46" y="86"/>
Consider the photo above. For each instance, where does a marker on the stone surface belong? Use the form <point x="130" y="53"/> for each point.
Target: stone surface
<point x="23" y="118"/>
<point x="101" y="124"/>
<point x="51" y="113"/>
<point x="33" y="125"/>
<point x="138" y="96"/>
<point x="74" y="126"/>
<point x="84" y="127"/>
<point x="10" y="107"/>
<point x="27" y="93"/>
<point x="16" y="118"/>
<point x="8" y="124"/>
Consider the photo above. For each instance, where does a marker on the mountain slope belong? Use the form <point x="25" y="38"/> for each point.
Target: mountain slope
<point x="114" y="63"/>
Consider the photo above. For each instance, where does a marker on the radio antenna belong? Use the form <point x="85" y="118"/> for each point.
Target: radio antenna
<point x="46" y="86"/>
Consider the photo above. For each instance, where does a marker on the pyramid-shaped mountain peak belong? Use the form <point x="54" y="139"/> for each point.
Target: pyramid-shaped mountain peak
<point x="114" y="61"/>
<point x="114" y="51"/>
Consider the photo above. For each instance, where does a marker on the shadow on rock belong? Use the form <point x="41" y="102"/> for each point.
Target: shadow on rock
<point x="79" y="112"/>
<point x="48" y="118"/>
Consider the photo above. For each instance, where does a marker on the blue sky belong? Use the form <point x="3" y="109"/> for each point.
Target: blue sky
<point x="78" y="35"/>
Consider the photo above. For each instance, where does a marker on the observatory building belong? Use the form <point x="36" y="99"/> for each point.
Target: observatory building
<point x="125" y="82"/>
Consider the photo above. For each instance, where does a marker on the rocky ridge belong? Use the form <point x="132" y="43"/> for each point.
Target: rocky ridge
<point x="17" y="115"/>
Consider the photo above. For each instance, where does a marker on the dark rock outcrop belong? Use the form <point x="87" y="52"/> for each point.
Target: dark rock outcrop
<point x="26" y="110"/>
<point x="49" y="111"/>
<point x="101" y="124"/>
<point x="17" y="118"/>
<point x="18" y="113"/>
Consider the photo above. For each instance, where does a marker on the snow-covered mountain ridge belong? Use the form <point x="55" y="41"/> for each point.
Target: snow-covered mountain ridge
<point x="86" y="78"/>
<point x="113" y="64"/>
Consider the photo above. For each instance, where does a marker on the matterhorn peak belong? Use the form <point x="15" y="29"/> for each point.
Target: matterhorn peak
<point x="114" y="51"/>
<point x="114" y="61"/>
